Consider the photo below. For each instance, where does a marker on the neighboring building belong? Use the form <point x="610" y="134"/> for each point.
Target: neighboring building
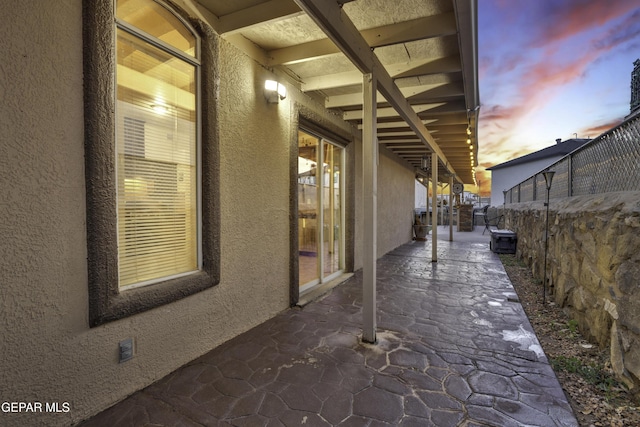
<point x="154" y="188"/>
<point x="635" y="88"/>
<point x="506" y="175"/>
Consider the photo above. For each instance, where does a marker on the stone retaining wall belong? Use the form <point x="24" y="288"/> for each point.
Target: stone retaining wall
<point x="593" y="267"/>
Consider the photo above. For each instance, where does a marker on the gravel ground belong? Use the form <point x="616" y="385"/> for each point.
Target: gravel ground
<point x="582" y="368"/>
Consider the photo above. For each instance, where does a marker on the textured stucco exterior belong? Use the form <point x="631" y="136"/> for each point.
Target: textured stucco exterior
<point x="396" y="197"/>
<point x="49" y="352"/>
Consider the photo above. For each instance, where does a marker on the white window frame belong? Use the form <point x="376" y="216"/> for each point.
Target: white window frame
<point x="195" y="61"/>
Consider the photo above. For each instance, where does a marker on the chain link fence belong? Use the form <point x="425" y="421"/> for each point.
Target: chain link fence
<point x="609" y="163"/>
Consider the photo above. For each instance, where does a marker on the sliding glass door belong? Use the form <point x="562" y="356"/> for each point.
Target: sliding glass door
<point x="320" y="210"/>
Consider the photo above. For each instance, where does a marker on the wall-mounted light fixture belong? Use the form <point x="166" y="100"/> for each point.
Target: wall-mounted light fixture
<point x="274" y="91"/>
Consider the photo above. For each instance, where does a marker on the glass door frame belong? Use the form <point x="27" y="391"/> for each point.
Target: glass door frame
<point x="321" y="277"/>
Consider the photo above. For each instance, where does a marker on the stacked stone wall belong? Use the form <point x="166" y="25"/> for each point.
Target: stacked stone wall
<point x="593" y="267"/>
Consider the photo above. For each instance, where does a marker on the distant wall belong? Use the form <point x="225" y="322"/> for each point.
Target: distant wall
<point x="396" y="191"/>
<point x="506" y="177"/>
<point x="593" y="267"/>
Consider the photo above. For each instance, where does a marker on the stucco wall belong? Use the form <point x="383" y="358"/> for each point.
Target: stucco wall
<point x="396" y="198"/>
<point x="593" y="266"/>
<point x="48" y="352"/>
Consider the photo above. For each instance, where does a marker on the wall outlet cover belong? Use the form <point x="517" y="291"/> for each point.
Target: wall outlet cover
<point x="126" y="350"/>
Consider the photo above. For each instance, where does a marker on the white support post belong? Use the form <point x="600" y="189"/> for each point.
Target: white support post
<point x="426" y="212"/>
<point x="451" y="209"/>
<point x="434" y="207"/>
<point x="442" y="206"/>
<point x="370" y="195"/>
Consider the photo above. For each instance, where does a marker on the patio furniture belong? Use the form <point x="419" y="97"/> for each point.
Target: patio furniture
<point x="493" y="221"/>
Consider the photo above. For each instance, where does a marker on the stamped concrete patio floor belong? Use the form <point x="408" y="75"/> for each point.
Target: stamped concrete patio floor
<point x="454" y="348"/>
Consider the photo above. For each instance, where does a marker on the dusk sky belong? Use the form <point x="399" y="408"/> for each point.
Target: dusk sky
<point x="551" y="69"/>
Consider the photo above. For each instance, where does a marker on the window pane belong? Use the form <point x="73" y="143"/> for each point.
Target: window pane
<point x="308" y="147"/>
<point x="332" y="209"/>
<point x="157" y="21"/>
<point x="156" y="162"/>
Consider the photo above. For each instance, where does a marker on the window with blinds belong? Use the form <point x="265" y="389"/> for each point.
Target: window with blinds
<point x="156" y="144"/>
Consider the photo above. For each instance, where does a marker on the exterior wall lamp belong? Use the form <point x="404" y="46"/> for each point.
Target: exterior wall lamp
<point x="274" y="91"/>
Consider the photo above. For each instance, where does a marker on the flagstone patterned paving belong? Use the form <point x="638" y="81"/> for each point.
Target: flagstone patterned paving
<point x="454" y="349"/>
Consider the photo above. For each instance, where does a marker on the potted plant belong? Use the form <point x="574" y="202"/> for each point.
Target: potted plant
<point x="420" y="230"/>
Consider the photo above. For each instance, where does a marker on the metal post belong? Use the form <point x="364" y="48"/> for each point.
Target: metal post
<point x="425" y="166"/>
<point x="451" y="209"/>
<point x="426" y="212"/>
<point x="370" y="207"/>
<point x="434" y="210"/>
<point x="570" y="177"/>
<point x="504" y="207"/>
<point x="519" y="192"/>
<point x="548" y="178"/>
<point x="442" y="205"/>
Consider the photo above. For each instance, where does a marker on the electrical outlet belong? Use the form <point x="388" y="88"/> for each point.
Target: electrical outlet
<point x="126" y="350"/>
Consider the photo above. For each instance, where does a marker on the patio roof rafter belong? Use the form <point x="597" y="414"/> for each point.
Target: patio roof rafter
<point x="397" y="71"/>
<point x="330" y="17"/>
<point x="402" y="32"/>
<point x="424" y="56"/>
<point x="268" y="11"/>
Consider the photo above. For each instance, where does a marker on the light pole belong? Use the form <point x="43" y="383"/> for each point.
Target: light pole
<point x="548" y="178"/>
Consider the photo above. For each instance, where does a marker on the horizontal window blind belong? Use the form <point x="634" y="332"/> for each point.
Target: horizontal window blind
<point x="156" y="163"/>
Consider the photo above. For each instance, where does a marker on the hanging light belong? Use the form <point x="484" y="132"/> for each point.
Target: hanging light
<point x="160" y="107"/>
<point x="425" y="163"/>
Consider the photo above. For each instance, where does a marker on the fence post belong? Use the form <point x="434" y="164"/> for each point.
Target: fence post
<point x="570" y="176"/>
